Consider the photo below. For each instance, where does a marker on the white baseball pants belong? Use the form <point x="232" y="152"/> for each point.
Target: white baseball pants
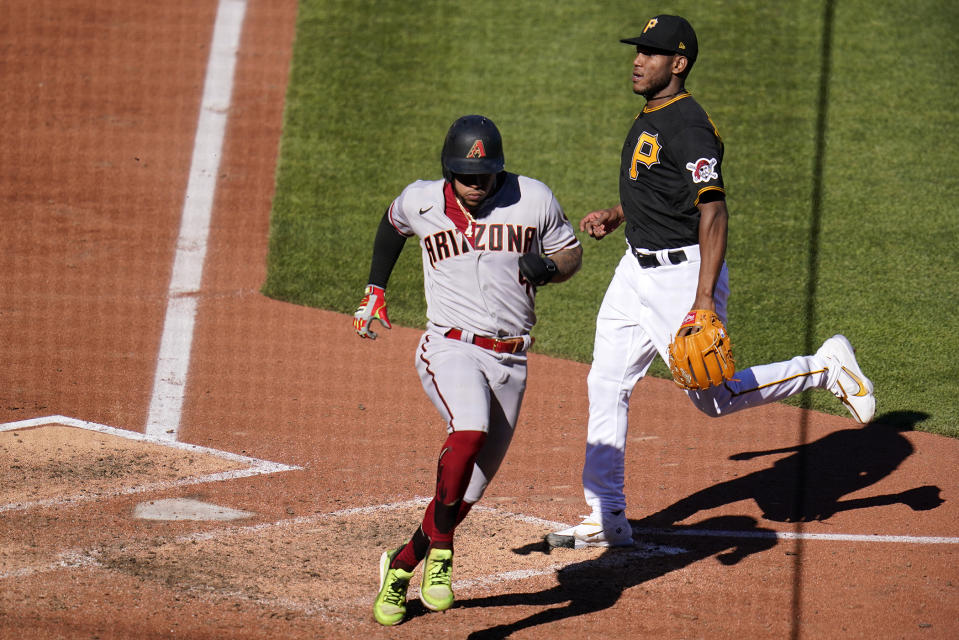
<point x="640" y="313"/>
<point x="474" y="389"/>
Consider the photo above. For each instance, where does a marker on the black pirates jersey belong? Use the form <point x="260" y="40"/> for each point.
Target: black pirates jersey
<point x="672" y="156"/>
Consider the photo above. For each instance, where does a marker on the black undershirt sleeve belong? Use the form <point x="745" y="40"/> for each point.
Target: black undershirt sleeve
<point x="387" y="247"/>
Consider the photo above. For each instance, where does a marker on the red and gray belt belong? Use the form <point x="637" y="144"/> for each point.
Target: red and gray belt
<point x="499" y="345"/>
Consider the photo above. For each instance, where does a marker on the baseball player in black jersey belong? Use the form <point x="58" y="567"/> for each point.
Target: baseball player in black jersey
<point x="672" y="201"/>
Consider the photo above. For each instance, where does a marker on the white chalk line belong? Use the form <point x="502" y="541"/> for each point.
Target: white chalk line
<point x="796" y="535"/>
<point x="65" y="560"/>
<point x="173" y="358"/>
<point x="255" y="466"/>
<point x="765" y="534"/>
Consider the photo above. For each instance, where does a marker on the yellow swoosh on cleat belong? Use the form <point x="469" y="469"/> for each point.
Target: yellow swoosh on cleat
<point x="862" y="388"/>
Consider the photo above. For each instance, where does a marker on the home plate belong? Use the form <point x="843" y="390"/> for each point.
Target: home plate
<point x="186" y="509"/>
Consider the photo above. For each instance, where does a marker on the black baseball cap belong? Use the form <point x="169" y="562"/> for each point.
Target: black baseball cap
<point x="668" y="33"/>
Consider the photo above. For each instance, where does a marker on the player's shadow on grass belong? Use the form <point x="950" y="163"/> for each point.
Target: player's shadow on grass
<point x="597" y="584"/>
<point x="810" y="482"/>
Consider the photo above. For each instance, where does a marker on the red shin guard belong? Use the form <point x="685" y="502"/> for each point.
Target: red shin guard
<point x="453" y="472"/>
<point x="452" y="478"/>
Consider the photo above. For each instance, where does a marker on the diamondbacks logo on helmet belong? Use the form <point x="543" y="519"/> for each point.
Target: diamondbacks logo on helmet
<point x="477" y="150"/>
<point x="473" y="146"/>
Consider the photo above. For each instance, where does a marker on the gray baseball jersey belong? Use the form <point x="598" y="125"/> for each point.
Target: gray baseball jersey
<point x="470" y="269"/>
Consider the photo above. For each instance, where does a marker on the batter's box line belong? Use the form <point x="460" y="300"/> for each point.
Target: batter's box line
<point x="255" y="466"/>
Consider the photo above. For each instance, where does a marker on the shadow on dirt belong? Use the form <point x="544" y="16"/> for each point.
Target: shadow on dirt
<point x="807" y="484"/>
<point x="594" y="585"/>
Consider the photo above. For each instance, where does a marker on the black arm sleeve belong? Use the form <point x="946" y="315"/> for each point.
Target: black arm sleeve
<point x="387" y="247"/>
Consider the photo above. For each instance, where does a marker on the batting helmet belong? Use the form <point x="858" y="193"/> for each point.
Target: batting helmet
<point x="473" y="145"/>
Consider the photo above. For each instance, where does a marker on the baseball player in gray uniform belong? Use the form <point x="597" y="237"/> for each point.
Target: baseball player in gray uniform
<point x="488" y="239"/>
<point x="672" y="206"/>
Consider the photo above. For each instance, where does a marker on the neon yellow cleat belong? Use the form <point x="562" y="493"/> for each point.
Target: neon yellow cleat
<point x="436" y="590"/>
<point x="389" y="608"/>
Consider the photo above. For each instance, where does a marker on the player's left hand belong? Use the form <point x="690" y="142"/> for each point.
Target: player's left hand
<point x="703" y="357"/>
<point x="372" y="307"/>
<point x="702" y="303"/>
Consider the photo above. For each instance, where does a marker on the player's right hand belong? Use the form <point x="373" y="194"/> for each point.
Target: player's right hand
<point x="372" y="307"/>
<point x="599" y="224"/>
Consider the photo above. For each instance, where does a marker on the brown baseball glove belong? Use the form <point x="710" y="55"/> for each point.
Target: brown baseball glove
<point x="702" y="358"/>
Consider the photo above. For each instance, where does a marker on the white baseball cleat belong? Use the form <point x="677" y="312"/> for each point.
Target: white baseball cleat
<point x="846" y="380"/>
<point x="597" y="530"/>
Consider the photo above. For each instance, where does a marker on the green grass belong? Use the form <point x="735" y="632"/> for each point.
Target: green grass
<point x="374" y="86"/>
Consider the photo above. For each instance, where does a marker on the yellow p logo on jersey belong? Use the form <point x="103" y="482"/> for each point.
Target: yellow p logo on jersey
<point x="646" y="151"/>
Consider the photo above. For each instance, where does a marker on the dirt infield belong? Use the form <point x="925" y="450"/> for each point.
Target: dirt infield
<point x="773" y="523"/>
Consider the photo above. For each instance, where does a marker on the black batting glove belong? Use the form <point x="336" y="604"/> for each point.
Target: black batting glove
<point x="538" y="270"/>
